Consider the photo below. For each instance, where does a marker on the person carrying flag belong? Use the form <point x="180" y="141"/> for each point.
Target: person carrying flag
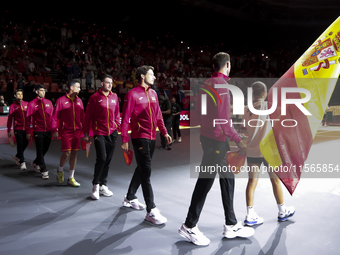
<point x="255" y="159"/>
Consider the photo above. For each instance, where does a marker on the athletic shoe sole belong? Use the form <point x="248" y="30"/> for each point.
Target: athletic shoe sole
<point x="252" y="223"/>
<point x="94" y="198"/>
<point x="286" y="217"/>
<point x="188" y="237"/>
<point x="234" y="233"/>
<point x="156" y="222"/>
<point x="130" y="205"/>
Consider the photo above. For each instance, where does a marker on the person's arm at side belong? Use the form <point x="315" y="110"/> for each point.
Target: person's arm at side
<point x="168" y="108"/>
<point x="88" y="117"/>
<point x="55" y="117"/>
<point x="82" y="113"/>
<point x="30" y="111"/>
<point x="117" y="116"/>
<point x="10" y="121"/>
<point x="127" y="111"/>
<point x="227" y="129"/>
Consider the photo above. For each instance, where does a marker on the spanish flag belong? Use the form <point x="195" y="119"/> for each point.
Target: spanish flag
<point x="286" y="146"/>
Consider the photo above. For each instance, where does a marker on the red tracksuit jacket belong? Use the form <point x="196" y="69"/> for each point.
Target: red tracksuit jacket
<point x="219" y="111"/>
<point x="70" y="114"/>
<point x="39" y="114"/>
<point x="142" y="106"/>
<point x="17" y="115"/>
<point x="104" y="113"/>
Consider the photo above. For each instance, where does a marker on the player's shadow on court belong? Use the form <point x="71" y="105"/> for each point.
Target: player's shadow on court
<point x="186" y="247"/>
<point x="277" y="243"/>
<point x="19" y="229"/>
<point x="105" y="235"/>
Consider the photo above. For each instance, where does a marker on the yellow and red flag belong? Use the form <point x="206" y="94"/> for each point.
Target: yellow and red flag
<point x="317" y="70"/>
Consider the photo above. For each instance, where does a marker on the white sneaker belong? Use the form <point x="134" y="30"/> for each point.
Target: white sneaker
<point x="155" y="217"/>
<point x="180" y="139"/>
<point x="253" y="219"/>
<point x="36" y="167"/>
<point x="16" y="160"/>
<point x="237" y="230"/>
<point x="44" y="175"/>
<point x="23" y="166"/>
<point x="194" y="235"/>
<point x="134" y="203"/>
<point x="287" y="214"/>
<point x="104" y="190"/>
<point x="95" y="192"/>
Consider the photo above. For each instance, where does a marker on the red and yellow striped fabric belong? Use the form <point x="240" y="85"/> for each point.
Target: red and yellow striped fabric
<point x="317" y="70"/>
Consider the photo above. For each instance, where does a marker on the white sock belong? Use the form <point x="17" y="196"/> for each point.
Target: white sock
<point x="281" y="207"/>
<point x="61" y="169"/>
<point x="250" y="210"/>
<point x="71" y="173"/>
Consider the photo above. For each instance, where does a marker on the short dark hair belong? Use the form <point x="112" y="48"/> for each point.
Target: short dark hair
<point x="18" y="90"/>
<point x="142" y="70"/>
<point x="258" y="88"/>
<point x="220" y="60"/>
<point x="39" y="86"/>
<point x="73" y="82"/>
<point x="105" y="75"/>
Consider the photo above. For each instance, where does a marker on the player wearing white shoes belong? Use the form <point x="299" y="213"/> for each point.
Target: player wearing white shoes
<point x="214" y="142"/>
<point x="255" y="158"/>
<point x="39" y="114"/>
<point x="141" y="105"/>
<point x="103" y="111"/>
<point x="17" y="118"/>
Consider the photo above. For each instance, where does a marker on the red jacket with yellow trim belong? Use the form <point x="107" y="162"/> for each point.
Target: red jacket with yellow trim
<point x="69" y="112"/>
<point x="39" y="114"/>
<point x="143" y="108"/>
<point x="103" y="111"/>
<point x="220" y="111"/>
<point x="17" y="116"/>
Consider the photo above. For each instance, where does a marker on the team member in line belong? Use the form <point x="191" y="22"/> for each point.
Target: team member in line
<point x="215" y="144"/>
<point x="39" y="114"/>
<point x="141" y="104"/>
<point x="17" y="118"/>
<point x="255" y="159"/>
<point x="69" y="111"/>
<point x="103" y="110"/>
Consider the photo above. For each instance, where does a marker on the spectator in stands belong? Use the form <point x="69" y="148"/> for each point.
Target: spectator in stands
<point x="21" y="81"/>
<point x="88" y="79"/>
<point x="31" y="68"/>
<point x="2" y="67"/>
<point x="10" y="84"/>
<point x="176" y="114"/>
<point x="2" y="101"/>
<point x="28" y="87"/>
